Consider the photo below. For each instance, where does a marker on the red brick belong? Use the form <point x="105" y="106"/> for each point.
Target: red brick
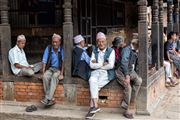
<point x="19" y="83"/>
<point x="33" y="87"/>
<point x="20" y="86"/>
<point x="27" y="91"/>
<point x="114" y="97"/>
<point x="21" y="93"/>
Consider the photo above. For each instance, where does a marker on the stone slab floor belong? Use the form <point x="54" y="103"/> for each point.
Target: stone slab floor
<point x="169" y="108"/>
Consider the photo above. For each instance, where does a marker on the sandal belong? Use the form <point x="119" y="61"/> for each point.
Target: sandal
<point x="172" y="85"/>
<point x="167" y="84"/>
<point x="175" y="82"/>
<point x="31" y="108"/>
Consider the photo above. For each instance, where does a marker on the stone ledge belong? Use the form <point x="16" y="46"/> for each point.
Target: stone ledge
<point x="35" y="79"/>
<point x="111" y="85"/>
<point x="154" y="77"/>
<point x="16" y="110"/>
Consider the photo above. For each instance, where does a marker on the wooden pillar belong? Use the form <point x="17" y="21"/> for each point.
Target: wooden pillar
<point x="161" y="31"/>
<point x="155" y="34"/>
<point x="170" y="16"/>
<point x="68" y="38"/>
<point x="5" y="39"/>
<point x="176" y="24"/>
<point x="143" y="39"/>
<point x="143" y="56"/>
<point x="5" y="36"/>
<point x="69" y="87"/>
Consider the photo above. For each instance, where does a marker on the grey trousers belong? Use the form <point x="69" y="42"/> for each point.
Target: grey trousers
<point x="30" y="72"/>
<point x="131" y="90"/>
<point x="50" y="81"/>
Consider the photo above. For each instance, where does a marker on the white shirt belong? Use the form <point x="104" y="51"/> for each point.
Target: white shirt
<point x="99" y="64"/>
<point x="17" y="55"/>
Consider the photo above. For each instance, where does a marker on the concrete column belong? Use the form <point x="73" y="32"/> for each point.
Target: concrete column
<point x="176" y="24"/>
<point x="161" y="31"/>
<point x="155" y="35"/>
<point x="69" y="87"/>
<point x="143" y="56"/>
<point x="170" y="16"/>
<point x="5" y="36"/>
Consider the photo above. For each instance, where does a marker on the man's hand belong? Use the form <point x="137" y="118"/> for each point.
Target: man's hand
<point x="170" y="60"/>
<point x="93" y="61"/>
<point x="105" y="63"/>
<point x="61" y="77"/>
<point x="29" y="67"/>
<point x="127" y="80"/>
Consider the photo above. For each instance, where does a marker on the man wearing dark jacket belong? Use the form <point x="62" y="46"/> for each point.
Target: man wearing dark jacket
<point x="128" y="78"/>
<point x="80" y="59"/>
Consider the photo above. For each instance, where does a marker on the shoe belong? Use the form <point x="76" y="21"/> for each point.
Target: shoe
<point x="51" y="102"/>
<point x="95" y="110"/>
<point x="90" y="115"/>
<point x="44" y="101"/>
<point x="128" y="115"/>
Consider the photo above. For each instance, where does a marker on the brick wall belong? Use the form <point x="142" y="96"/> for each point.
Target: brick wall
<point x="28" y="91"/>
<point x="1" y="93"/>
<point x="108" y="97"/>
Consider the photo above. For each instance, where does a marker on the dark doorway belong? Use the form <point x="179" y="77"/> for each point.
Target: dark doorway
<point x="99" y="15"/>
<point x="85" y="20"/>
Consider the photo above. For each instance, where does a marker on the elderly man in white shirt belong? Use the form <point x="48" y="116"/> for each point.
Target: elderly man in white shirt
<point x="102" y="65"/>
<point x="18" y="61"/>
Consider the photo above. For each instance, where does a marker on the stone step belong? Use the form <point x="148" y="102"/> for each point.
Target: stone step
<point x="16" y="111"/>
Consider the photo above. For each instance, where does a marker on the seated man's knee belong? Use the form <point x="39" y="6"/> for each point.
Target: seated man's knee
<point x="56" y="75"/>
<point x="92" y="80"/>
<point x="45" y="75"/>
<point x="139" y="81"/>
<point x="30" y="72"/>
